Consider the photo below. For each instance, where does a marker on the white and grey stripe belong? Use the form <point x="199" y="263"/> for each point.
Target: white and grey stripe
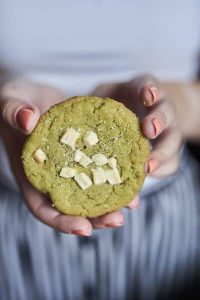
<point x="154" y="251"/>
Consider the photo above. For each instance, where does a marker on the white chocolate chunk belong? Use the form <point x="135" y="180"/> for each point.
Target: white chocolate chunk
<point x="68" y="172"/>
<point x="82" y="158"/>
<point x="83" y="180"/>
<point x="78" y="155"/>
<point x="70" y="137"/>
<point x="39" y="155"/>
<point x="99" y="176"/>
<point x="113" y="176"/>
<point x="85" y="161"/>
<point x="112" y="162"/>
<point x="99" y="159"/>
<point x="90" y="139"/>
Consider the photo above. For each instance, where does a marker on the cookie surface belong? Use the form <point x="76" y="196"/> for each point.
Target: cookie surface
<point x="109" y="139"/>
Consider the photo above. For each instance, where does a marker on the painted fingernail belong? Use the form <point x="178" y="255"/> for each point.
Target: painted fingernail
<point x="146" y="96"/>
<point x="149" y="95"/>
<point x="157" y="124"/>
<point x="154" y="93"/>
<point x="152" y="165"/>
<point x="23" y="118"/>
<point x="81" y="233"/>
<point x="135" y="204"/>
<point x="114" y="224"/>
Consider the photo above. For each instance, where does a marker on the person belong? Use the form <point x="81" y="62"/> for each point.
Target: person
<point x="52" y="51"/>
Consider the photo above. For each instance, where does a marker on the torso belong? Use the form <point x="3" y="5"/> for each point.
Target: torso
<point x="78" y="44"/>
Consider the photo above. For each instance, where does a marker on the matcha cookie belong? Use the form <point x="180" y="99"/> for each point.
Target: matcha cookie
<point x="88" y="154"/>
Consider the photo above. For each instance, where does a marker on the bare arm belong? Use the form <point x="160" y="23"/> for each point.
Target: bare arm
<point x="186" y="101"/>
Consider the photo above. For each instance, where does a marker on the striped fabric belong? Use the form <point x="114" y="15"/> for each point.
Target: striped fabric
<point x="153" y="253"/>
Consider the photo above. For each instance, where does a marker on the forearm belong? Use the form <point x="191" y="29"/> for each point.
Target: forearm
<point x="195" y="102"/>
<point x="186" y="99"/>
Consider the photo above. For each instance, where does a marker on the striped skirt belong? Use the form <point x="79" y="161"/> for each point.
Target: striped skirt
<point x="153" y="254"/>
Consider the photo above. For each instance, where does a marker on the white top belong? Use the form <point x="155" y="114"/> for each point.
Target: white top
<point x="75" y="44"/>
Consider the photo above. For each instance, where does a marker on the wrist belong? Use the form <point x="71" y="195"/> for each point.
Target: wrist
<point x="193" y="111"/>
<point x="185" y="98"/>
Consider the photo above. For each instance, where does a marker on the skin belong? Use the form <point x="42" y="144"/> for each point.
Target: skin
<point x="161" y="107"/>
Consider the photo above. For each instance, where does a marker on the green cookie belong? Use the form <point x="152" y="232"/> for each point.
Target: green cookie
<point x="88" y="154"/>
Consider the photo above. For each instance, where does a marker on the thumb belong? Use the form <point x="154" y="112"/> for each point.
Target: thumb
<point x="19" y="114"/>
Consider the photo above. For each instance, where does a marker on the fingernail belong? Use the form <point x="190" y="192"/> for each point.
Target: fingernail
<point x="146" y="96"/>
<point x="154" y="93"/>
<point x="114" y="224"/>
<point x="23" y="118"/>
<point x="152" y="165"/>
<point x="157" y="126"/>
<point x="135" y="204"/>
<point x="81" y="233"/>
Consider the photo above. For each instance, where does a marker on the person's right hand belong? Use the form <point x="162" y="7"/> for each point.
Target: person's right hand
<point x="20" y="106"/>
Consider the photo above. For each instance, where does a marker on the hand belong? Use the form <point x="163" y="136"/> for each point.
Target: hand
<point x="20" y="106"/>
<point x="162" y="108"/>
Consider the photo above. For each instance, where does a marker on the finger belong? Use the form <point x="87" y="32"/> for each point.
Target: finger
<point x="114" y="219"/>
<point x="135" y="203"/>
<point x="147" y="89"/>
<point x="19" y="114"/>
<point x="159" y="119"/>
<point x="167" y="146"/>
<point x="42" y="209"/>
<point x="105" y="90"/>
<point x="168" y="168"/>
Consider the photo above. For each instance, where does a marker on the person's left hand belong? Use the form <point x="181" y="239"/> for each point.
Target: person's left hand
<point x="161" y="118"/>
